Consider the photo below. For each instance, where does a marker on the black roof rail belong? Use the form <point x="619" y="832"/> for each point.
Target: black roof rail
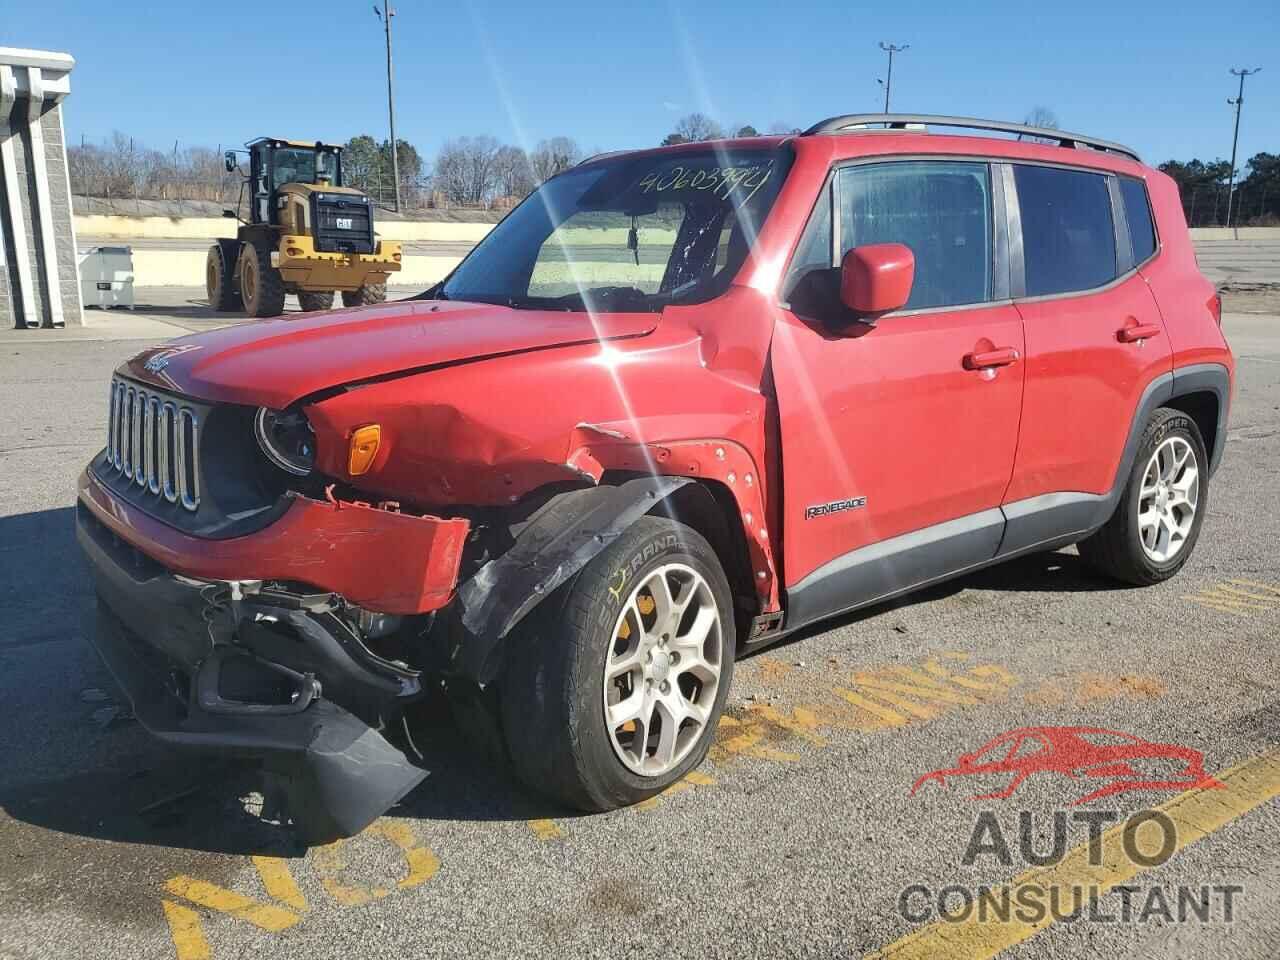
<point x="903" y="121"/>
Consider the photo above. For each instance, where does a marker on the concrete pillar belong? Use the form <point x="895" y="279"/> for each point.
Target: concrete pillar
<point x="38" y="278"/>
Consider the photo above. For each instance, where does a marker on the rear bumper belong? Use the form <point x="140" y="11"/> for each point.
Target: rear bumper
<point x="253" y="677"/>
<point x="388" y="562"/>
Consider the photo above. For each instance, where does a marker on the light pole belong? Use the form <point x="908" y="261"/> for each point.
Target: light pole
<point x="890" y="49"/>
<point x="1238" y="102"/>
<point x="391" y="104"/>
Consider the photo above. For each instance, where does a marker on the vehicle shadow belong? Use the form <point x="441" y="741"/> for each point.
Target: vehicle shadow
<point x="116" y="784"/>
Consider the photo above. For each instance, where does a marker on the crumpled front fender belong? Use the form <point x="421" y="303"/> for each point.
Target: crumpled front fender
<point x="571" y="530"/>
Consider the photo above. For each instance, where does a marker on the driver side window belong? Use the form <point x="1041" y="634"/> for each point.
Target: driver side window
<point x="941" y="210"/>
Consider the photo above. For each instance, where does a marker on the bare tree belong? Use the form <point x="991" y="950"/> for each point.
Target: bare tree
<point x="554" y="156"/>
<point x="1041" y="117"/>
<point x="466" y="169"/>
<point x="513" y="173"/>
<point x="694" y="127"/>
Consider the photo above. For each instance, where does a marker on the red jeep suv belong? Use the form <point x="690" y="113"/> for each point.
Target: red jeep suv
<point x="678" y="404"/>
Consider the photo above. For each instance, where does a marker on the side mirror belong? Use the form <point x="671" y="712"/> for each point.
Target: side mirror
<point x="229" y="161"/>
<point x="875" y="279"/>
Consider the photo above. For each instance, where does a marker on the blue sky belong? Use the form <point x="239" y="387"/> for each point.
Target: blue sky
<point x="615" y="75"/>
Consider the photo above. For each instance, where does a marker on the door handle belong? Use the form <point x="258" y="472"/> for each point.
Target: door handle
<point x="987" y="359"/>
<point x="1143" y="331"/>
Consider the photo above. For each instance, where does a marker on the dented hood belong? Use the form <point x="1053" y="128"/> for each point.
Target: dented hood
<point x="272" y="363"/>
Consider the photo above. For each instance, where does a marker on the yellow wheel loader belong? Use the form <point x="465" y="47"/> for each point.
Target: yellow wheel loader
<point x="306" y="234"/>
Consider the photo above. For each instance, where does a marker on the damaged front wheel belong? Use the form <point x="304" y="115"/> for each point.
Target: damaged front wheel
<point x="614" y="687"/>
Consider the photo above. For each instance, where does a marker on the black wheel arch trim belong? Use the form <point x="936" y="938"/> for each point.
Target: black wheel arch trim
<point x="1212" y="378"/>
<point x="554" y="546"/>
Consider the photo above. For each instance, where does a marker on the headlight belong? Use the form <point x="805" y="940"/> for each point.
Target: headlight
<point x="287" y="440"/>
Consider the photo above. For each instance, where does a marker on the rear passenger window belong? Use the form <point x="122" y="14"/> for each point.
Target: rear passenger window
<point x="941" y="210"/>
<point x="1137" y="211"/>
<point x="1068" y="237"/>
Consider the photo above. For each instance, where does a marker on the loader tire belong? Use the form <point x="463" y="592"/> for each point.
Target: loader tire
<point x="311" y="300"/>
<point x="220" y="276"/>
<point x="261" y="286"/>
<point x="368" y="294"/>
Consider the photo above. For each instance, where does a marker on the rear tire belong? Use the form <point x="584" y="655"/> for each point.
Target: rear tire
<point x="261" y="286"/>
<point x="571" y="662"/>
<point x="368" y="294"/>
<point x="312" y="300"/>
<point x="219" y="277"/>
<point x="1157" y="522"/>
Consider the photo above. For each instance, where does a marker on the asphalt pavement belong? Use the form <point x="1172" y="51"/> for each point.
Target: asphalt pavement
<point x="799" y="837"/>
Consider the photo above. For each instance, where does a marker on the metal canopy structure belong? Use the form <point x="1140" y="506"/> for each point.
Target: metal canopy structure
<point x="853" y="122"/>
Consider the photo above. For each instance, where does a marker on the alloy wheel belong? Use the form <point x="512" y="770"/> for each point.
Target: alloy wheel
<point x="662" y="670"/>
<point x="1168" y="498"/>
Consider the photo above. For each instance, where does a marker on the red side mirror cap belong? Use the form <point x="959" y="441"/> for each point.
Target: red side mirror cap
<point x="876" y="278"/>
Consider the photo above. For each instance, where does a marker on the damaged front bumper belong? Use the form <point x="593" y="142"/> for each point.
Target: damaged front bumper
<point x="267" y="672"/>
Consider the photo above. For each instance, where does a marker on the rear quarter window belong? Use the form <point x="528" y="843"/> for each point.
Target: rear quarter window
<point x="1068" y="237"/>
<point x="1137" y="211"/>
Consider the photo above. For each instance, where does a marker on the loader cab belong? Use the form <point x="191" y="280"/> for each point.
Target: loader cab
<point x="274" y="163"/>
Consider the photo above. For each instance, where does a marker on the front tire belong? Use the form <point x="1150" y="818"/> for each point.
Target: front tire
<point x="1157" y="522"/>
<point x="366" y="295"/>
<point x="615" y="684"/>
<point x="261" y="286"/>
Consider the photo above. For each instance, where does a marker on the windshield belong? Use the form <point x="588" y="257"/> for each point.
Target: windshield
<point x="631" y="233"/>
<point x="301" y="165"/>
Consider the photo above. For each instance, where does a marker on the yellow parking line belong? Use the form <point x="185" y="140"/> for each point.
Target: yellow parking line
<point x="279" y="882"/>
<point x="1197" y="813"/>
<point x="184" y="927"/>
<point x="545" y="829"/>
<point x="265" y="915"/>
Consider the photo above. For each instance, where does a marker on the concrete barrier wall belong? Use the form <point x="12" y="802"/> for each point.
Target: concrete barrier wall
<point x="1229" y="233"/>
<point x="207" y="228"/>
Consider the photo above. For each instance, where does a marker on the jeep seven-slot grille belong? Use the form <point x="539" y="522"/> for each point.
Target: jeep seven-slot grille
<point x="154" y="441"/>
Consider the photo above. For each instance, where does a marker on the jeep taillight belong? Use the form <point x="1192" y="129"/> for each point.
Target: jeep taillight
<point x="1215" y="308"/>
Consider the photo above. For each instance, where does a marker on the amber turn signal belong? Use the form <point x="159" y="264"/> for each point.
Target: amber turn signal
<point x="364" y="448"/>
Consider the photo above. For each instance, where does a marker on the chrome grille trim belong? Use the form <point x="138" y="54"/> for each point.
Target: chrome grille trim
<point x="139" y="452"/>
<point x="190" y="495"/>
<point x="153" y="441"/>
<point x="168" y="479"/>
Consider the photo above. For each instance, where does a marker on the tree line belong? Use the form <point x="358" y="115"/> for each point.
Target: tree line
<point x="1204" y="187"/>
<point x="475" y="171"/>
<point x="483" y="172"/>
